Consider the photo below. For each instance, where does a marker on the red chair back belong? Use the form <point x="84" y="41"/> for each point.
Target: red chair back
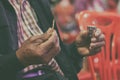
<point x="108" y="23"/>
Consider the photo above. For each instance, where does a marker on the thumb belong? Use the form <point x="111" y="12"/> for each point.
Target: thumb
<point x="47" y="34"/>
<point x="82" y="39"/>
<point x="43" y="37"/>
<point x="82" y="35"/>
<point x="49" y="31"/>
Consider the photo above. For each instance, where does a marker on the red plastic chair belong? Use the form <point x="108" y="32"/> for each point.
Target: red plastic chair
<point x="88" y="75"/>
<point x="107" y="23"/>
<point x="116" y="53"/>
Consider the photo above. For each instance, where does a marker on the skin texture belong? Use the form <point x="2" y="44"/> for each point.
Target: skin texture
<point x="89" y="46"/>
<point x="39" y="49"/>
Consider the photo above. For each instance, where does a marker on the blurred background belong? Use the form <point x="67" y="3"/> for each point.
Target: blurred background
<point x="72" y="16"/>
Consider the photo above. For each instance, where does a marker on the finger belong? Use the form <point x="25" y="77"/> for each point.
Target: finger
<point x="100" y="38"/>
<point x="91" y="30"/>
<point x="97" y="44"/>
<point x="32" y="38"/>
<point x="97" y="32"/>
<point x="48" y="34"/>
<point x="93" y="40"/>
<point x="57" y="40"/>
<point x="51" y="53"/>
<point x="81" y="37"/>
<point x="83" y="50"/>
<point x="50" y="30"/>
<point x="38" y="41"/>
<point x="51" y="42"/>
<point x="95" y="51"/>
<point x="57" y="45"/>
<point x="42" y="37"/>
<point x="84" y="34"/>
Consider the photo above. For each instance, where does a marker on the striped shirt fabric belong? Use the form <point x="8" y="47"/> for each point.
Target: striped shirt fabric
<point x="27" y="26"/>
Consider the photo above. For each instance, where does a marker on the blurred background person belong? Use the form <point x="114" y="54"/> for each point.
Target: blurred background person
<point x="64" y="13"/>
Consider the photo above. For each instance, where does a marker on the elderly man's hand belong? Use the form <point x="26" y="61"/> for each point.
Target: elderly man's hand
<point x="39" y="49"/>
<point x="87" y="45"/>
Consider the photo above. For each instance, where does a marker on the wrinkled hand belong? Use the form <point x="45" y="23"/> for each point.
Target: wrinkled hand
<point x="39" y="49"/>
<point x="90" y="46"/>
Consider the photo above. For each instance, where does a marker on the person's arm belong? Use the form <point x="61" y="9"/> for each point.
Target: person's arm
<point x="9" y="66"/>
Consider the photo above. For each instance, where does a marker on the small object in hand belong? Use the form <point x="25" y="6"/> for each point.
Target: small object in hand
<point x="53" y="25"/>
<point x="91" y="30"/>
<point x="50" y="30"/>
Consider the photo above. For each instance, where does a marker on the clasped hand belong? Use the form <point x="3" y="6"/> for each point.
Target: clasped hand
<point x="89" y="46"/>
<point x="39" y="49"/>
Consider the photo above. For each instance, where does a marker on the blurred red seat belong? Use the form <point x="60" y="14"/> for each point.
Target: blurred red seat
<point x="116" y="53"/>
<point x="88" y="75"/>
<point x="108" y="23"/>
